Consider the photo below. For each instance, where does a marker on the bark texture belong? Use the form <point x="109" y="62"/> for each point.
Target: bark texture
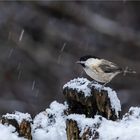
<point x="98" y="103"/>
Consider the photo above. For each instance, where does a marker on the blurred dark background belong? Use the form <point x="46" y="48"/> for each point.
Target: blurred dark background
<point x="40" y="42"/>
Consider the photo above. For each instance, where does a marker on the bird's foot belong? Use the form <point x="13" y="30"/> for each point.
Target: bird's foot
<point x="91" y="83"/>
<point x="102" y="87"/>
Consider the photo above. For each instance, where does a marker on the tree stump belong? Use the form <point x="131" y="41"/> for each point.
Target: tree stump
<point x="72" y="130"/>
<point x="79" y="127"/>
<point x="84" y="97"/>
<point x="21" y="122"/>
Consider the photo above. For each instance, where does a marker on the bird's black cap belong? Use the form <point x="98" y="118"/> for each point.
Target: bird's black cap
<point x="84" y="58"/>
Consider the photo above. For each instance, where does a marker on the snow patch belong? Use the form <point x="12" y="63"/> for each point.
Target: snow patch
<point x="126" y="129"/>
<point x="8" y="133"/>
<point x="50" y="124"/>
<point x="79" y="84"/>
<point x="85" y="123"/>
<point x="133" y="113"/>
<point x="18" y="116"/>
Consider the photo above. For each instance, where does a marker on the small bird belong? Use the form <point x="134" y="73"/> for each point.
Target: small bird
<point x="101" y="70"/>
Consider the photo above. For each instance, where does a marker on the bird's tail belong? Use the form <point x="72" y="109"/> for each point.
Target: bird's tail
<point x="128" y="70"/>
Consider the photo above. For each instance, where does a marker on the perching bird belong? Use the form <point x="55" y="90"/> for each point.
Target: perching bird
<point x="101" y="70"/>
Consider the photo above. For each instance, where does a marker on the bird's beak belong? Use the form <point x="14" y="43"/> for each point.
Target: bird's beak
<point x="78" y="62"/>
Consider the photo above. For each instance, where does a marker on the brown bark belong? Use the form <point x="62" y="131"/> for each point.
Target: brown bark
<point x="23" y="129"/>
<point x="73" y="131"/>
<point x="97" y="103"/>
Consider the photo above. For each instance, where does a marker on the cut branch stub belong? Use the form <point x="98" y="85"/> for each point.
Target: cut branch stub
<point x="91" y="99"/>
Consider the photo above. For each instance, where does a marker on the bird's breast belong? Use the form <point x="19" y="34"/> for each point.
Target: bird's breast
<point x="99" y="76"/>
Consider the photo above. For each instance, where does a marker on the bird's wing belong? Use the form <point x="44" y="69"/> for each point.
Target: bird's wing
<point x="109" y="67"/>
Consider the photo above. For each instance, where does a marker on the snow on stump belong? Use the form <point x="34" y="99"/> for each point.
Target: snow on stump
<point x="80" y="127"/>
<point x="50" y="124"/>
<point x="21" y="122"/>
<point x="91" y="99"/>
<point x="100" y="128"/>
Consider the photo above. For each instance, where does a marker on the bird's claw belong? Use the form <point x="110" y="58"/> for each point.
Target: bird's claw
<point x="91" y="84"/>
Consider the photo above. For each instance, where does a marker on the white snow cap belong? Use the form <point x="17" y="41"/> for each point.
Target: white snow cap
<point x="85" y="123"/>
<point x="18" y="116"/>
<point x="79" y="84"/>
<point x="133" y="113"/>
<point x="50" y="124"/>
<point x="126" y="129"/>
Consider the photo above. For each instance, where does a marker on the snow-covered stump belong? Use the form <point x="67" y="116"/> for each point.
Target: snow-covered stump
<point x="89" y="99"/>
<point x="107" y="103"/>
<point x="81" y="128"/>
<point x="20" y="121"/>
<point x="76" y="132"/>
<point x="50" y="124"/>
